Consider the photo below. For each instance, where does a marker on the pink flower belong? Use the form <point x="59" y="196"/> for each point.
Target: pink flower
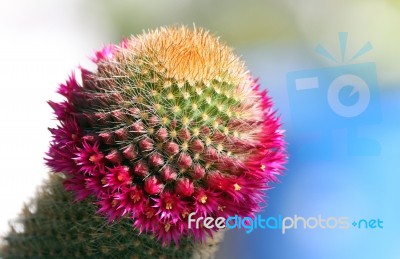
<point x="156" y="160"/>
<point x="171" y="148"/>
<point x="69" y="88"/>
<point x="184" y="161"/>
<point x="130" y="152"/>
<point x="170" y="231"/>
<point x="96" y="185"/>
<point x="110" y="206"/>
<point x="184" y="187"/>
<point x="114" y="157"/>
<point x="118" y="177"/>
<point x="141" y="169"/>
<point x="146" y="144"/>
<point x="131" y="199"/>
<point x="206" y="202"/>
<point x="104" y="54"/>
<point x="169" y="206"/>
<point x="145" y="219"/>
<point x="168" y="173"/>
<point x="90" y="159"/>
<point x="153" y="186"/>
<point x="198" y="172"/>
<point x="77" y="185"/>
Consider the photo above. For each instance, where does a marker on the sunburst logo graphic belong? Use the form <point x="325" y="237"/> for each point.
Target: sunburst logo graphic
<point x="343" y="47"/>
<point x="345" y="96"/>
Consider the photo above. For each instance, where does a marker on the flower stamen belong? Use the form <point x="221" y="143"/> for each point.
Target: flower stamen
<point x="237" y="187"/>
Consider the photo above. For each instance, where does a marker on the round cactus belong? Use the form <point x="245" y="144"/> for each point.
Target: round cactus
<point x="170" y="123"/>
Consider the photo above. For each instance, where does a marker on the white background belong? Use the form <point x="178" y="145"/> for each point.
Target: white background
<point x="41" y="42"/>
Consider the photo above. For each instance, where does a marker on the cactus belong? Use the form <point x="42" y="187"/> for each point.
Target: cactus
<point x="51" y="226"/>
<point x="170" y="123"/>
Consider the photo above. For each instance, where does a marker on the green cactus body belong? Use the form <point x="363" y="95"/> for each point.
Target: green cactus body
<point x="54" y="226"/>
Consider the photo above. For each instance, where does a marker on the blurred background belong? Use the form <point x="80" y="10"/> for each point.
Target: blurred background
<point x="42" y="41"/>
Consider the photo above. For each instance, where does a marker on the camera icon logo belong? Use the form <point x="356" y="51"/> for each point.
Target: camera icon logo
<point x="326" y="100"/>
<point x="359" y="86"/>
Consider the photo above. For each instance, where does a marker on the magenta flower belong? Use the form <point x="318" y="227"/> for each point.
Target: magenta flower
<point x="117" y="178"/>
<point x="153" y="186"/>
<point x="170" y="123"/>
<point x="169" y="206"/>
<point x="89" y="159"/>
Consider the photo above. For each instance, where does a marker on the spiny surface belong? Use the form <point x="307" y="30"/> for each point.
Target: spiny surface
<point x="170" y="123"/>
<point x="53" y="226"/>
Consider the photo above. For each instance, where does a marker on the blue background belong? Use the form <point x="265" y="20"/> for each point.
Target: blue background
<point x="335" y="185"/>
